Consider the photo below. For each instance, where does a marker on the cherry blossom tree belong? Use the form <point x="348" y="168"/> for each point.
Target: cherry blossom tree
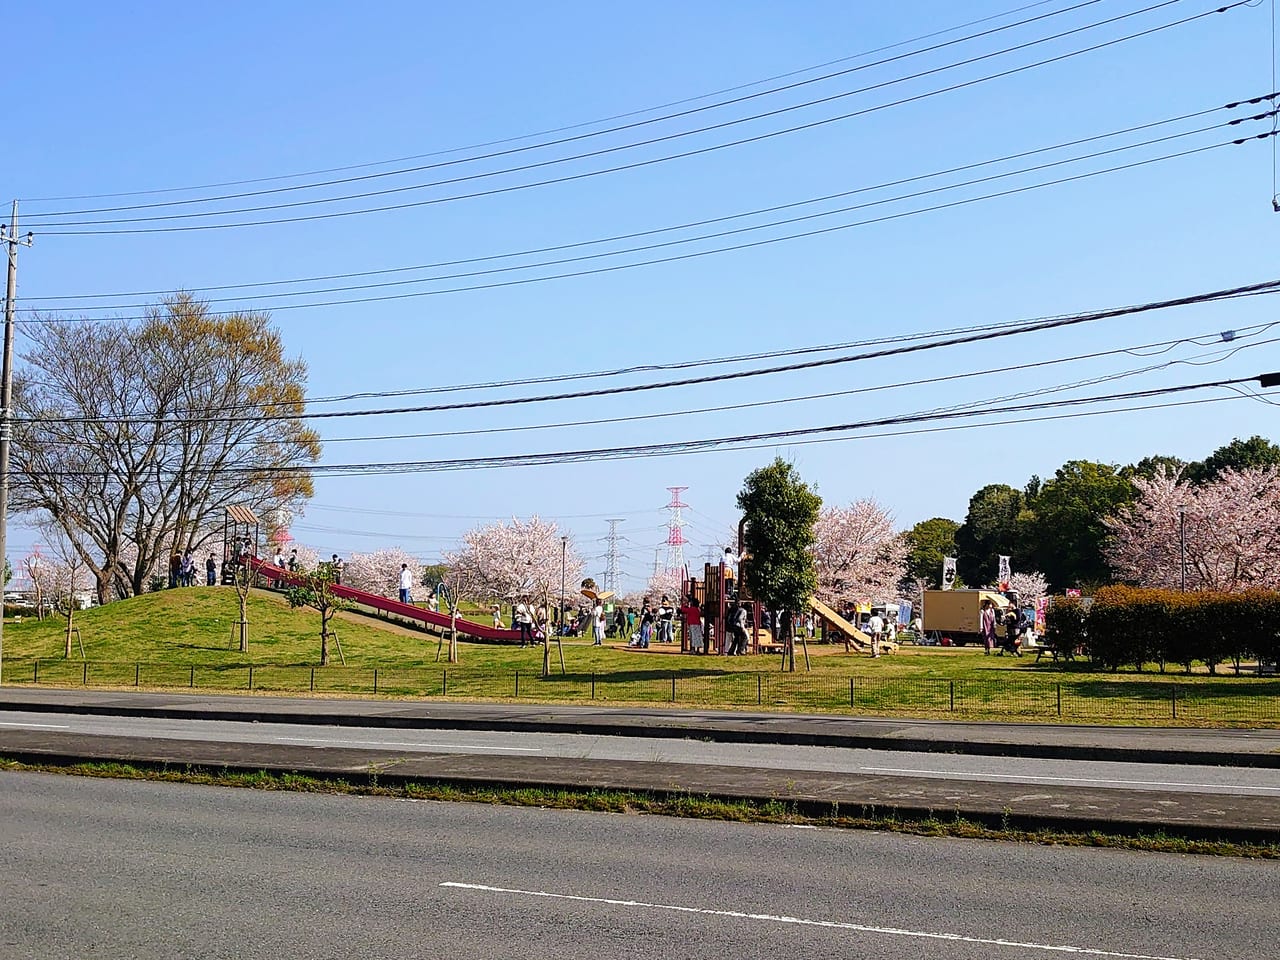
<point x="379" y="572"/>
<point x="43" y="574"/>
<point x="859" y="555"/>
<point x="666" y="582"/>
<point x="500" y="561"/>
<point x="1224" y="533"/>
<point x="1030" y="585"/>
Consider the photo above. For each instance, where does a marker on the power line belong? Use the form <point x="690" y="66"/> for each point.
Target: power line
<point x="1036" y="326"/>
<point x="691" y="224"/>
<point x="697" y="254"/>
<point x="53" y="229"/>
<point x="610" y="130"/>
<point x="700" y="445"/>
<point x="540" y="133"/>
<point x="853" y="391"/>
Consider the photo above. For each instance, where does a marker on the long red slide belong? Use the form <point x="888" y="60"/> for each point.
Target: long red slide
<point x="385" y="604"/>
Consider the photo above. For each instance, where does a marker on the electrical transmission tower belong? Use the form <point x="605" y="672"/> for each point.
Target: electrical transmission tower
<point x="675" y="530"/>
<point x="611" y="572"/>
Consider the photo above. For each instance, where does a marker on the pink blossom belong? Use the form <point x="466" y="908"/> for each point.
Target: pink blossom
<point x="859" y="555"/>
<point x="501" y="561"/>
<point x="1225" y="534"/>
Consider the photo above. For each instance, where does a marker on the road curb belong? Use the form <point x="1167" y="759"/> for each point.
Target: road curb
<point x="697" y="730"/>
<point x="990" y="816"/>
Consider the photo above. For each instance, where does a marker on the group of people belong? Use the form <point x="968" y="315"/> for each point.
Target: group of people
<point x="182" y="570"/>
<point x="1012" y="619"/>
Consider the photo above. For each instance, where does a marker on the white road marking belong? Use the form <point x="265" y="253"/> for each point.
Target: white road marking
<point x="1024" y="777"/>
<point x="39" y="726"/>
<point x="830" y="924"/>
<point x="407" y="743"/>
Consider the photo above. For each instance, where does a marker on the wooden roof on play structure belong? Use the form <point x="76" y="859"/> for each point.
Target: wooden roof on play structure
<point x="239" y="514"/>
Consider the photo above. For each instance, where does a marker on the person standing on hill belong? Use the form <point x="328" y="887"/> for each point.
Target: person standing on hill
<point x="211" y="571"/>
<point x="406" y="583"/>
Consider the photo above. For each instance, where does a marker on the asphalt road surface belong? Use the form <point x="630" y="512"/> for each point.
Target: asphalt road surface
<point x="122" y="869"/>
<point x="1155" y="777"/>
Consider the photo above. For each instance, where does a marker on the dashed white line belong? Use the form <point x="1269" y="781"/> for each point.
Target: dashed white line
<point x="829" y="924"/>
<point x="1031" y="777"/>
<point x="37" y="726"/>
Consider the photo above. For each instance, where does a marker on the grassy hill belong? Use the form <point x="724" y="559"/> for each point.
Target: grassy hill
<point x="195" y="625"/>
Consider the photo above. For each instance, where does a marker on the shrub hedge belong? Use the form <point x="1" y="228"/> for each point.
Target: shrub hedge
<point x="1132" y="626"/>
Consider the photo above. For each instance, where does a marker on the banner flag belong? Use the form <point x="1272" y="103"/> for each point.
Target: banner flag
<point x="1004" y="573"/>
<point x="948" y="572"/>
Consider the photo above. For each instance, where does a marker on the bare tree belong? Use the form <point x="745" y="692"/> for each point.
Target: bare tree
<point x="131" y="439"/>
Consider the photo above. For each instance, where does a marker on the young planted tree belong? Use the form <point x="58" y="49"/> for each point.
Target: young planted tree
<point x="780" y="512"/>
<point x="316" y="592"/>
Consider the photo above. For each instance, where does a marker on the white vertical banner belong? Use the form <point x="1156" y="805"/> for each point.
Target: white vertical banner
<point x="948" y="572"/>
<point x="1005" y="573"/>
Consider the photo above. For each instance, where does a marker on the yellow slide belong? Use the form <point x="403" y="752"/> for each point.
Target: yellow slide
<point x="852" y="635"/>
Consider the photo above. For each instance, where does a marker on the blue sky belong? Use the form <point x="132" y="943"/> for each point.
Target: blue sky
<point x="152" y="96"/>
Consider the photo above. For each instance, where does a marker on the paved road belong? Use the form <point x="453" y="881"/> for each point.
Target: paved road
<point x="121" y="869"/>
<point x="885" y="762"/>
<point x="1222" y="747"/>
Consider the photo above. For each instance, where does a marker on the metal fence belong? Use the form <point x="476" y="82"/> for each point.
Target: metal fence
<point x="1200" y="700"/>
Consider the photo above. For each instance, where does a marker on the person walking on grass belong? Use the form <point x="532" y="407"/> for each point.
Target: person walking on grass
<point x="523" y="615"/>
<point x="987" y="624"/>
<point x="406" y="583"/>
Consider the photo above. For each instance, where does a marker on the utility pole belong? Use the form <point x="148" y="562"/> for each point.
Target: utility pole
<point x="12" y="241"/>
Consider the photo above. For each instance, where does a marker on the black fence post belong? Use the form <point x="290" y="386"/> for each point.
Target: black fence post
<point x="375" y="681"/>
<point x="593" y="684"/>
<point x="673" y="688"/>
<point x="137" y="673"/>
<point x="851" y="693"/>
<point x="952" y="685"/>
<point x="192" y="684"/>
<point x="313" y="679"/>
<point x="35" y="673"/>
<point x="84" y="678"/>
<point x="1173" y="699"/>
<point x="759" y="690"/>
<point x="444" y="682"/>
<point x="517" y="684"/>
<point x="251" y="676"/>
<point x="1059" y="686"/>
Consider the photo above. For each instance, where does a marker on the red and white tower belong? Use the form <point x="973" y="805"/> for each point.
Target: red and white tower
<point x="675" y="530"/>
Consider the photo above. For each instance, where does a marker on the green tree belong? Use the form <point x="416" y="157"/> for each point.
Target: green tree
<point x="1238" y="454"/>
<point x="1148" y="467"/>
<point x="991" y="528"/>
<point x="779" y="511"/>
<point x="928" y="542"/>
<point x="1065" y="526"/>
<point x="316" y="591"/>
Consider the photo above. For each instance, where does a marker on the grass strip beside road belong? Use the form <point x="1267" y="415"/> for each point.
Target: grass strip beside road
<point x="684" y="805"/>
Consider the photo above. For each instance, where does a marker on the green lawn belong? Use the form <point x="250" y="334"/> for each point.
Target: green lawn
<point x="184" y="638"/>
